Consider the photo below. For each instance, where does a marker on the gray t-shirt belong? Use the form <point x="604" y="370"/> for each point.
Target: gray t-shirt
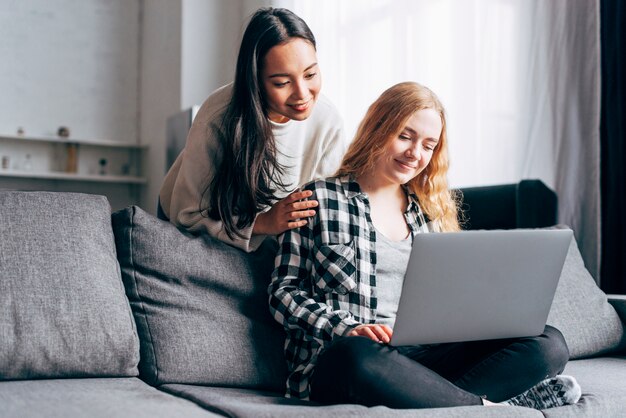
<point x="392" y="258"/>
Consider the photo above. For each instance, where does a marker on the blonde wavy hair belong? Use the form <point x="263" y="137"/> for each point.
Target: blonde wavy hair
<point x="385" y="119"/>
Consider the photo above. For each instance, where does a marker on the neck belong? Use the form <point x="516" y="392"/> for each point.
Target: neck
<point x="277" y="118"/>
<point x="387" y="202"/>
<point x="378" y="189"/>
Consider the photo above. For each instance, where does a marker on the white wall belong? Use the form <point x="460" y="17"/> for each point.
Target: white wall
<point x="160" y="87"/>
<point x="73" y="63"/>
<point x="210" y="40"/>
<point x="70" y="63"/>
<point x="248" y="7"/>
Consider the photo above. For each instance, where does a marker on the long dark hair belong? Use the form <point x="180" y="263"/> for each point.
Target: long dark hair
<point x="248" y="176"/>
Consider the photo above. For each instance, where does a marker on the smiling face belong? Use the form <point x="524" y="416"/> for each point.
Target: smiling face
<point x="291" y="80"/>
<point x="409" y="153"/>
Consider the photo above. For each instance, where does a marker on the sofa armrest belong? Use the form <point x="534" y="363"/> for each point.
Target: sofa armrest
<point x="619" y="303"/>
<point x="527" y="204"/>
<point x="537" y="205"/>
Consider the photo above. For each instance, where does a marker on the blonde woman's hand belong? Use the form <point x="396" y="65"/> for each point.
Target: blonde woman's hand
<point x="285" y="214"/>
<point x="378" y="333"/>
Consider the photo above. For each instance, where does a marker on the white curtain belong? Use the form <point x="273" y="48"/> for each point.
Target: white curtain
<point x="519" y="79"/>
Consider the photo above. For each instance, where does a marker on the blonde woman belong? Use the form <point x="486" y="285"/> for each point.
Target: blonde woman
<point x="337" y="281"/>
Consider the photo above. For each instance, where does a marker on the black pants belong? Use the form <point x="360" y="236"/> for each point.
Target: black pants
<point x="359" y="370"/>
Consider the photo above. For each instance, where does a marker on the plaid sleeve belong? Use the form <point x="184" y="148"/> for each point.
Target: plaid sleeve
<point x="291" y="302"/>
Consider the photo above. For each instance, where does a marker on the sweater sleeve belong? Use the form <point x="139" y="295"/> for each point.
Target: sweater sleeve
<point x="184" y="185"/>
<point x="335" y="143"/>
<point x="333" y="152"/>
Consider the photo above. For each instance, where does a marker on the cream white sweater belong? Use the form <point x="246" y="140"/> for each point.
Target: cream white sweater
<point x="310" y="149"/>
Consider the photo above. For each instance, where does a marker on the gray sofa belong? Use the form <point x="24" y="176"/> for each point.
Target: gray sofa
<point x="124" y="315"/>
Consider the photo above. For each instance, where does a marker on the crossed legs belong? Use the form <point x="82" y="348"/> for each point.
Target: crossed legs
<point x="359" y="370"/>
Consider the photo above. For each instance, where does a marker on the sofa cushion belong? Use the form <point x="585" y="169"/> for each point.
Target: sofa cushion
<point x="602" y="383"/>
<point x="63" y="312"/>
<point x="581" y="311"/>
<point x="200" y="305"/>
<point x="243" y="403"/>
<point x="93" y="398"/>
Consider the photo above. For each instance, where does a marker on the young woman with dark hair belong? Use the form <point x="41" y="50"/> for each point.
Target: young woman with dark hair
<point x="337" y="281"/>
<point x="255" y="141"/>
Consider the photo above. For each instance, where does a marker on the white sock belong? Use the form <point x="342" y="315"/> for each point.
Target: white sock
<point x="555" y="391"/>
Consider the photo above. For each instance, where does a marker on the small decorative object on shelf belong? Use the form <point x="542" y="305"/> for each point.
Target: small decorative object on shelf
<point x="20" y="131"/>
<point x="103" y="166"/>
<point x="5" y="162"/>
<point x="71" y="163"/>
<point x="125" y="169"/>
<point x="63" y="132"/>
<point x="28" y="164"/>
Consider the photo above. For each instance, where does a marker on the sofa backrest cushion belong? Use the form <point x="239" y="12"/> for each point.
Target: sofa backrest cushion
<point x="581" y="311"/>
<point x="201" y="306"/>
<point x="63" y="311"/>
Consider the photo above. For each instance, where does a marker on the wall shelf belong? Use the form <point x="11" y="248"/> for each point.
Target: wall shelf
<point x="52" y="175"/>
<point x="77" y="141"/>
<point x="123" y="159"/>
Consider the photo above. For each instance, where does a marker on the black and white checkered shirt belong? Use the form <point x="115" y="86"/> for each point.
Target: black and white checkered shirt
<point x="324" y="283"/>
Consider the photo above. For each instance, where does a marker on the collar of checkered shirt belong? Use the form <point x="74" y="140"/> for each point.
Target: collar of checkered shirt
<point x="353" y="189"/>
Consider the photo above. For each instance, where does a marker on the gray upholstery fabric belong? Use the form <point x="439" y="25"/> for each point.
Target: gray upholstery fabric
<point x="580" y="310"/>
<point x="258" y="404"/>
<point x="94" y="398"/>
<point x="63" y="312"/>
<point x="603" y="385"/>
<point x="200" y="306"/>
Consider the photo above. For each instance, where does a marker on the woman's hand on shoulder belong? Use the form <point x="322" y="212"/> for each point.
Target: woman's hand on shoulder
<point x="378" y="333"/>
<point x="287" y="213"/>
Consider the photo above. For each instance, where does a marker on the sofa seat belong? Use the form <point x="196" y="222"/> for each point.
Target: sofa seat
<point x="603" y="382"/>
<point x="99" y="397"/>
<point x="233" y="402"/>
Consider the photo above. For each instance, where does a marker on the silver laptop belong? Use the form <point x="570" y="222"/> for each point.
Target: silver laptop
<point x="479" y="285"/>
